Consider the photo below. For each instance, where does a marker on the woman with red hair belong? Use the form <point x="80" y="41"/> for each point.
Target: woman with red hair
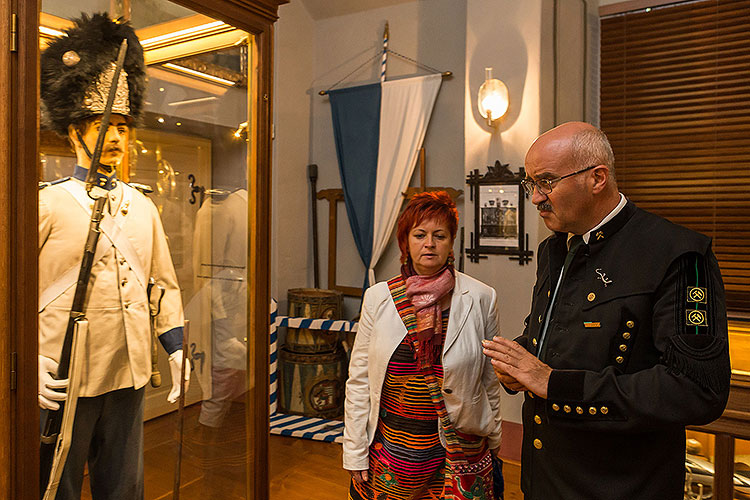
<point x="422" y="401"/>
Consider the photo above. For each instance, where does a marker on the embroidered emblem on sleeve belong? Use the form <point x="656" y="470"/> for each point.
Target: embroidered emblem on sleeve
<point x="696" y="294"/>
<point x="696" y="317"/>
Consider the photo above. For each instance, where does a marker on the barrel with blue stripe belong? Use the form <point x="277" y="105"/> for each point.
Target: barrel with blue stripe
<point x="313" y="303"/>
<point x="312" y="384"/>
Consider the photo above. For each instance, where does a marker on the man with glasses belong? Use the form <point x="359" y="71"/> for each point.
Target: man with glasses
<point x="626" y="343"/>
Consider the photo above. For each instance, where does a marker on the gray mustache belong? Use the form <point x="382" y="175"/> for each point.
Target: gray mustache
<point x="544" y="206"/>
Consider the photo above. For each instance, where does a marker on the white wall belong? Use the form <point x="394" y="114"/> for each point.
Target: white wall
<point x="291" y="245"/>
<point x="506" y="35"/>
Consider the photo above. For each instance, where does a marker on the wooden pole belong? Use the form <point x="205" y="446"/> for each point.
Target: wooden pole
<point x="384" y="61"/>
<point x="181" y="411"/>
<point x="422" y="170"/>
<point x="312" y="173"/>
<point x="724" y="467"/>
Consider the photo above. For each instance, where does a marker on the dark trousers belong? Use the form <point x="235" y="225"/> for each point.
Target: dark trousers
<point x="108" y="434"/>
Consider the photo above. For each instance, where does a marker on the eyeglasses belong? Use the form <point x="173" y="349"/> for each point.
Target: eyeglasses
<point x="545" y="185"/>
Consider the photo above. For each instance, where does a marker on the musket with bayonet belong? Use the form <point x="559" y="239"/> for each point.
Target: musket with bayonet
<point x="58" y="425"/>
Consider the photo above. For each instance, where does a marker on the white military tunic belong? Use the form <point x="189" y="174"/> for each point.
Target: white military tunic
<point x="118" y="352"/>
<point x="218" y="309"/>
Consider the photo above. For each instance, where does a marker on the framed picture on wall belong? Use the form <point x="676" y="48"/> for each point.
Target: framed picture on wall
<point x="498" y="214"/>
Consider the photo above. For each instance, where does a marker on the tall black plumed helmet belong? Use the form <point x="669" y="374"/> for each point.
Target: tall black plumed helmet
<point x="77" y="70"/>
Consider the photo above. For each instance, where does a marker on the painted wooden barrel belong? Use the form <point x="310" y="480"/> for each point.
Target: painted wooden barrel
<point x="312" y="384"/>
<point x="313" y="303"/>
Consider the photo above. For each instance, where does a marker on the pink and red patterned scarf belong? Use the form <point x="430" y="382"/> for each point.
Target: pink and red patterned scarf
<point x="426" y="294"/>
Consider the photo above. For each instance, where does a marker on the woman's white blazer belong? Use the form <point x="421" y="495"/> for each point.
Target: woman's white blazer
<point x="470" y="388"/>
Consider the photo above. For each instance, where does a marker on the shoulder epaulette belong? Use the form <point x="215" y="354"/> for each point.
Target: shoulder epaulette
<point x="143" y="188"/>
<point x="43" y="185"/>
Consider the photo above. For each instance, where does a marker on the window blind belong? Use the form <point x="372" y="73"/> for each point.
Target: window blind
<point x="675" y="104"/>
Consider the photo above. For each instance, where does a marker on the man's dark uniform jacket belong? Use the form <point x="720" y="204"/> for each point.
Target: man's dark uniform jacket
<point x="638" y="345"/>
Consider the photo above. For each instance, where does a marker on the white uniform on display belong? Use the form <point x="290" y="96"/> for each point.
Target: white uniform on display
<point x="219" y="306"/>
<point x="119" y="352"/>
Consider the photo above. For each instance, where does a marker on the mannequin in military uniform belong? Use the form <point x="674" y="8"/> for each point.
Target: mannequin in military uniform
<point x="77" y="71"/>
<point x="626" y="343"/>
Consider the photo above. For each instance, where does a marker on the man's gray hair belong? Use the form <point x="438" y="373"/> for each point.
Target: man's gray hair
<point x="591" y="147"/>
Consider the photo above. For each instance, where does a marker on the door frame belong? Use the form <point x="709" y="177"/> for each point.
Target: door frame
<point x="19" y="128"/>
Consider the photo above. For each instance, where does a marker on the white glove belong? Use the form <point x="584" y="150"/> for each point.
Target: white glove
<point x="50" y="390"/>
<point x="175" y="368"/>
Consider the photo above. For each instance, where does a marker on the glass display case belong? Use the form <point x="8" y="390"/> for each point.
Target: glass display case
<point x="203" y="155"/>
<point x="192" y="153"/>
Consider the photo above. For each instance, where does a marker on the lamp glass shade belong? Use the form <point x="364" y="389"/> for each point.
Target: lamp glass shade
<point x="492" y="99"/>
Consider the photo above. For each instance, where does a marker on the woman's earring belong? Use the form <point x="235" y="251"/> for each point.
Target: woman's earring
<point x="451" y="259"/>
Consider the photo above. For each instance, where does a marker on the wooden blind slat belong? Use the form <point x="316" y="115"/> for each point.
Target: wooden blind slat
<point x="675" y="104"/>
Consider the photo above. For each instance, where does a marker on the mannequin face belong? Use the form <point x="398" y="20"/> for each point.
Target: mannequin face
<point x="115" y="142"/>
<point x="430" y="243"/>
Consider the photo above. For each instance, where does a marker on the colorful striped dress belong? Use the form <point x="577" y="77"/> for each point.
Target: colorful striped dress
<point x="407" y="460"/>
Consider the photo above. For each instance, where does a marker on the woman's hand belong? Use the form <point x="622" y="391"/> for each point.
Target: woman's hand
<point x="358" y="476"/>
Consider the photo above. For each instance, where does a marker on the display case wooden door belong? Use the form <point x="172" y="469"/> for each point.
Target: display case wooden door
<point x="20" y="23"/>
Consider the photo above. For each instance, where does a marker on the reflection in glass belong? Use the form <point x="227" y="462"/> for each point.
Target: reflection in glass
<point x="192" y="151"/>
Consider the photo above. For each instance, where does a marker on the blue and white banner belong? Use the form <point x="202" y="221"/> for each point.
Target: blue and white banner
<point x="378" y="130"/>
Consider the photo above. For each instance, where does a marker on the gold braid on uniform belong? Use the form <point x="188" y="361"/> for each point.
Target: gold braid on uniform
<point x="696" y="351"/>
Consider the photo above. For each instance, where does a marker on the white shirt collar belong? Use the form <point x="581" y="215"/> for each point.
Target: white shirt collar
<point x="608" y="218"/>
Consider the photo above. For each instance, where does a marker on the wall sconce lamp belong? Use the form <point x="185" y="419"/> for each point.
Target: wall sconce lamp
<point x="492" y="99"/>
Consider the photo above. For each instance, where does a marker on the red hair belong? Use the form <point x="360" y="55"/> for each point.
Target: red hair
<point x="433" y="205"/>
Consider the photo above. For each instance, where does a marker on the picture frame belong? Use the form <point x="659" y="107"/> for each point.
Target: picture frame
<point x="499" y="206"/>
<point x="499" y="201"/>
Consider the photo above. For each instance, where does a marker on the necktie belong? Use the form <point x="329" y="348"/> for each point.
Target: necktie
<point x="575" y="242"/>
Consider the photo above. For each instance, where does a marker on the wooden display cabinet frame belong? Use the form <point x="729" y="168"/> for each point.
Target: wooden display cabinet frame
<point x="19" y="156"/>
